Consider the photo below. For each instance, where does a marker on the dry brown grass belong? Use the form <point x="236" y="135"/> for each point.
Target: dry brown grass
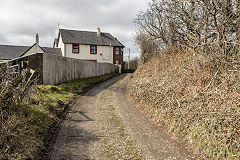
<point x="195" y="96"/>
<point x="18" y="137"/>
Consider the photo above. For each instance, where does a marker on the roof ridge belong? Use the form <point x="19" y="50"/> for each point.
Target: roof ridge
<point x="50" y="47"/>
<point x="82" y="31"/>
<point x="13" y="45"/>
<point x="19" y="46"/>
<point x="88" y="38"/>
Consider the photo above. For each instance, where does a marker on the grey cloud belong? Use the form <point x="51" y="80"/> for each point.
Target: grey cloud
<point x="21" y="19"/>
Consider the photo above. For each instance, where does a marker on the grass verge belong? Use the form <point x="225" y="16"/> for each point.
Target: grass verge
<point x="26" y="128"/>
<point x="115" y="141"/>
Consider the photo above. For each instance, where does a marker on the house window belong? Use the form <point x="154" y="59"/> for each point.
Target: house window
<point x="75" y="48"/>
<point x="117" y="51"/>
<point x="93" y="49"/>
<point x="117" y="55"/>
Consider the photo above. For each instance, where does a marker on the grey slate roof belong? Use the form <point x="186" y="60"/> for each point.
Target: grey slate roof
<point x="11" y="52"/>
<point x="89" y="38"/>
<point x="56" y="51"/>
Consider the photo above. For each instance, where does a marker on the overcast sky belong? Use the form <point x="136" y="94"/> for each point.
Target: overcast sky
<point x="20" y="20"/>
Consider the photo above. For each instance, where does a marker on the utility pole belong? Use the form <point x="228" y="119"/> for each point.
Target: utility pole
<point x="129" y="58"/>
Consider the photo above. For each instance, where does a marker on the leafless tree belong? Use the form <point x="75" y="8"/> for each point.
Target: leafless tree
<point x="148" y="46"/>
<point x="199" y="25"/>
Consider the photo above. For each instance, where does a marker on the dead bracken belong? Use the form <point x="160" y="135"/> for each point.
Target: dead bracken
<point x="193" y="96"/>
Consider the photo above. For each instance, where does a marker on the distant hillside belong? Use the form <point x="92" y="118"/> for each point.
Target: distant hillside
<point x="195" y="96"/>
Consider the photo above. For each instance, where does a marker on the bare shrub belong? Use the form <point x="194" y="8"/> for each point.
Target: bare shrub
<point x="147" y="45"/>
<point x="133" y="64"/>
<point x="17" y="136"/>
<point x="200" y="25"/>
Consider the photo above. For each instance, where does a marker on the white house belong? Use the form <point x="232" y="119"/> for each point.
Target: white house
<point x="9" y="52"/>
<point x="92" y="46"/>
<point x="36" y="48"/>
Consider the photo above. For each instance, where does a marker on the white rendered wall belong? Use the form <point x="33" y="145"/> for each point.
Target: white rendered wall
<point x="104" y="53"/>
<point x="35" y="49"/>
<point x="61" y="45"/>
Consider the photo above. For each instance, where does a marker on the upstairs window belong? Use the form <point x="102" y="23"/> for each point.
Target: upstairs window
<point x="116" y="61"/>
<point x="117" y="50"/>
<point x="93" y="49"/>
<point x="75" y="48"/>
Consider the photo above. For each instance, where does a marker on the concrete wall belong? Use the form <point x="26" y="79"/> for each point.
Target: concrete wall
<point x="62" y="46"/>
<point x="57" y="69"/>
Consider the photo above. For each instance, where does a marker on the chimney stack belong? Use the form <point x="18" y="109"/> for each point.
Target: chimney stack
<point x="98" y="31"/>
<point x="37" y="39"/>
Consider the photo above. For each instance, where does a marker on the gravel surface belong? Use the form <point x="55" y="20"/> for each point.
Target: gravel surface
<point x="104" y="124"/>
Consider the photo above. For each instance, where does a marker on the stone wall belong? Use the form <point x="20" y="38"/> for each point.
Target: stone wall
<point x="34" y="62"/>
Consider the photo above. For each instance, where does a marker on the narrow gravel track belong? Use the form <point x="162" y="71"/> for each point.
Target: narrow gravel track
<point x="104" y="124"/>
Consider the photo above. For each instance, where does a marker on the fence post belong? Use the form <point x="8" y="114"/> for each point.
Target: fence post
<point x="120" y="68"/>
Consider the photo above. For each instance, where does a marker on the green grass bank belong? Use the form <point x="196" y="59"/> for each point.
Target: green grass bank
<point x="25" y="127"/>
